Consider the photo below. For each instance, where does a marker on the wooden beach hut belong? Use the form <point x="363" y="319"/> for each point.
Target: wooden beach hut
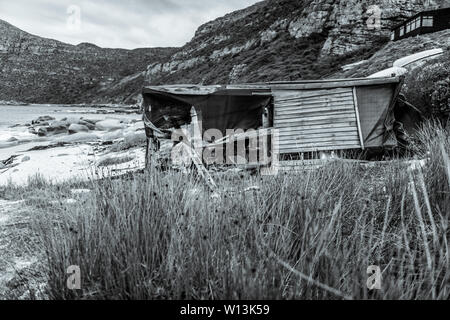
<point x="309" y="116"/>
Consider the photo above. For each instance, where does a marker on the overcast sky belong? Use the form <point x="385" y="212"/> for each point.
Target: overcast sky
<point x="116" y="23"/>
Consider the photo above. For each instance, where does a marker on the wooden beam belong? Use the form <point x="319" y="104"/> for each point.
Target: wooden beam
<point x="303" y="102"/>
<point x="358" y="120"/>
<point x="306" y="127"/>
<point x="317" y="149"/>
<point x="318" y="135"/>
<point x="196" y="129"/>
<point x="316" y="84"/>
<point x="265" y="118"/>
<point x="296" y="132"/>
<point x="291" y="85"/>
<point x="347" y="116"/>
<point x="324" y="112"/>
<point x="320" y="142"/>
<point x="312" y="94"/>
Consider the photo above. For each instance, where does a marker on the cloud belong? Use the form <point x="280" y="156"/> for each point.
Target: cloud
<point x="117" y="23"/>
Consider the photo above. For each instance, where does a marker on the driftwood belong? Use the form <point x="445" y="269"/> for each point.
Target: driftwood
<point x="9" y="161"/>
<point x="8" y="164"/>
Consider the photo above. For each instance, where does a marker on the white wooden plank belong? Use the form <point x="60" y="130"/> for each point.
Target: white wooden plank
<point x="318" y="135"/>
<point x="352" y="139"/>
<point x="288" y="94"/>
<point x="315" y="107"/>
<point x="324" y="124"/>
<point x="337" y="125"/>
<point x="358" y="121"/>
<point x="313" y="101"/>
<point x="278" y="99"/>
<point x="346" y="97"/>
<point x="318" y="148"/>
<point x="348" y="116"/>
<point x="309" y="114"/>
<point x="294" y="132"/>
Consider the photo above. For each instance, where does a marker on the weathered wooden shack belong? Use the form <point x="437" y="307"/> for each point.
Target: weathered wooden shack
<point x="310" y="116"/>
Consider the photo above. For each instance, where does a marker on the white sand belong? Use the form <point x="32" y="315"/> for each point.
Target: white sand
<point x="78" y="160"/>
<point x="64" y="163"/>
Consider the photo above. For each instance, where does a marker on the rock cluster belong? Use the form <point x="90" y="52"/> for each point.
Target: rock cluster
<point x="49" y="126"/>
<point x="79" y="129"/>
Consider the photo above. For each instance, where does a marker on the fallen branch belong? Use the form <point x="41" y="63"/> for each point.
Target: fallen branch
<point x="9" y="161"/>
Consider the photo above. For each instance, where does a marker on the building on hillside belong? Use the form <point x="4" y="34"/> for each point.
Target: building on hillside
<point x="422" y="23"/>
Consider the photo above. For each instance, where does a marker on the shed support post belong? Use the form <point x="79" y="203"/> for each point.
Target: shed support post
<point x="196" y="131"/>
<point x="358" y="119"/>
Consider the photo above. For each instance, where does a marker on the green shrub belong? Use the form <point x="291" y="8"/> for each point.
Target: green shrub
<point x="428" y="87"/>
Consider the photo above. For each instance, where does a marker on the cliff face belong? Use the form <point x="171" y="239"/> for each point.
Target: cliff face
<point x="271" y="40"/>
<point x="39" y="70"/>
<point x="285" y="40"/>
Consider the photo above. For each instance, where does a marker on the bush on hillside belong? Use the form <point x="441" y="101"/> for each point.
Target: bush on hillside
<point x="428" y="88"/>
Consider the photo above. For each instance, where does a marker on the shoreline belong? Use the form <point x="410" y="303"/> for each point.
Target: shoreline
<point x="61" y="149"/>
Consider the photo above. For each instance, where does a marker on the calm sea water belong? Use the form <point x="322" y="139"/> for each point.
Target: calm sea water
<point x="12" y="115"/>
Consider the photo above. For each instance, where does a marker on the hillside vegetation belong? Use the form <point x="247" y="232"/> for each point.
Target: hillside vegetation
<point x="271" y="40"/>
<point x="282" y="40"/>
<point x="427" y="84"/>
<point x="39" y="70"/>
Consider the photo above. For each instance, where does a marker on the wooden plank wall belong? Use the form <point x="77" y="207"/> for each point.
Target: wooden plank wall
<point x="316" y="120"/>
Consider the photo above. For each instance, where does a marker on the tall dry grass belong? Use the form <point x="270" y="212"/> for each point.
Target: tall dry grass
<point x="161" y="235"/>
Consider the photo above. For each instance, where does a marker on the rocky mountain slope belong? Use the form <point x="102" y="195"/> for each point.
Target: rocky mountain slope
<point x="285" y="40"/>
<point x="39" y="70"/>
<point x="271" y="40"/>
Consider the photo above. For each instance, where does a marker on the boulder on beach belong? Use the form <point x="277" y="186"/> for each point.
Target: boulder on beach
<point x="89" y="125"/>
<point x="71" y="120"/>
<point x="26" y="158"/>
<point x="61" y="123"/>
<point x="109" y="125"/>
<point x="42" y="119"/>
<point x="12" y="139"/>
<point x="42" y="132"/>
<point x="93" y="121"/>
<point x="77" y="128"/>
<point x="57" y="127"/>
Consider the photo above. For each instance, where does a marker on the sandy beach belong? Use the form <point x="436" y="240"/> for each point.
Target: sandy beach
<point x="61" y="148"/>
